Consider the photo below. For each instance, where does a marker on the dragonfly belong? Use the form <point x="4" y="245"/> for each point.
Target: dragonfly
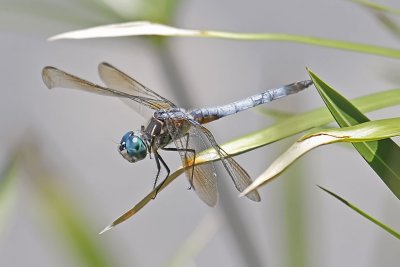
<point x="170" y="124"/>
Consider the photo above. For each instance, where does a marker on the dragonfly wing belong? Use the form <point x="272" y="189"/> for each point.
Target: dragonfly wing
<point x="202" y="178"/>
<point x="239" y="176"/>
<point x="54" y="77"/>
<point x="118" y="80"/>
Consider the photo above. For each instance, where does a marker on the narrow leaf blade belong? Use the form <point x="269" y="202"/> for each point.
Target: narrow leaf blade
<point x="377" y="7"/>
<point x="368" y="131"/>
<point x="381" y="155"/>
<point x="139" y="28"/>
<point x="364" y="214"/>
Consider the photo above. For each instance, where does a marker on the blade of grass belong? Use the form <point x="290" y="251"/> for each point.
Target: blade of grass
<point x="368" y="131"/>
<point x="389" y="23"/>
<point x="381" y="13"/>
<point x="69" y="222"/>
<point x="381" y="155"/>
<point x="59" y="209"/>
<point x="277" y="131"/>
<point x="376" y="7"/>
<point x="147" y="28"/>
<point x="364" y="214"/>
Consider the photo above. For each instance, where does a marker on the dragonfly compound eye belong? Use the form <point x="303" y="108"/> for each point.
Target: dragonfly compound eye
<point x="132" y="147"/>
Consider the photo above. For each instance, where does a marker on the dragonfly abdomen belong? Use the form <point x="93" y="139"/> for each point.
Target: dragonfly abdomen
<point x="205" y="115"/>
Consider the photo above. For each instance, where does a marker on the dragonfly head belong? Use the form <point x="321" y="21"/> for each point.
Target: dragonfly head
<point x="133" y="147"/>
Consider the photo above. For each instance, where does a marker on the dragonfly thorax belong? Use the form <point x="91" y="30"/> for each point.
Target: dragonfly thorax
<point x="133" y="146"/>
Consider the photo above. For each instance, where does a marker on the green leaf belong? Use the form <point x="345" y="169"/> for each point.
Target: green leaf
<point x="60" y="209"/>
<point x="376" y="7"/>
<point x="381" y="13"/>
<point x="368" y="131"/>
<point x="383" y="156"/>
<point x="389" y="23"/>
<point x="364" y="214"/>
<point x="282" y="129"/>
<point x="138" y="28"/>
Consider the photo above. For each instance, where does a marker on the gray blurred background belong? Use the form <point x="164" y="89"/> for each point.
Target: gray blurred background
<point x="296" y="224"/>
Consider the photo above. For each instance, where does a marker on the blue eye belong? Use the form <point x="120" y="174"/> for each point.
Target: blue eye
<point x="132" y="147"/>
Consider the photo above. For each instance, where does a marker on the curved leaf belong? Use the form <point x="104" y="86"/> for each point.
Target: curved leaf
<point x="138" y="28"/>
<point x="368" y="131"/>
<point x="381" y="155"/>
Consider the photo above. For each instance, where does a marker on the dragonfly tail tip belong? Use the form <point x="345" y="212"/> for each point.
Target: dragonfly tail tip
<point x="309" y="83"/>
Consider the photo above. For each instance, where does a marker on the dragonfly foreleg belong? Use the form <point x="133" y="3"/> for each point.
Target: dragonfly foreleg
<point x="159" y="159"/>
<point x="186" y="150"/>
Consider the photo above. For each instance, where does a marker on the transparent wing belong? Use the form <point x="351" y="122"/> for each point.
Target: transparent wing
<point x="54" y="77"/>
<point x="202" y="178"/>
<point x="120" y="81"/>
<point x="239" y="176"/>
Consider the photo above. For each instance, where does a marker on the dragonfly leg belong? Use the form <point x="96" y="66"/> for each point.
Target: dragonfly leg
<point x="158" y="171"/>
<point x="186" y="150"/>
<point x="151" y="146"/>
<point x="194" y="159"/>
<point x="159" y="159"/>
